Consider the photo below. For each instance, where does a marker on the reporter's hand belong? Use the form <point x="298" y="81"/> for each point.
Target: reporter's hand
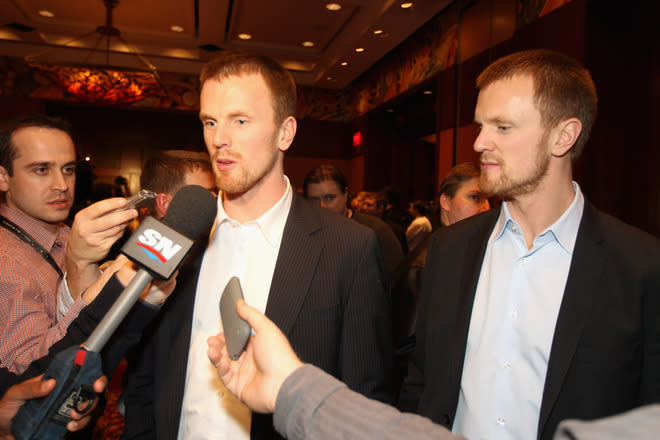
<point x="256" y="377"/>
<point x="81" y="420"/>
<point x="34" y="388"/>
<point x="156" y="292"/>
<point x="109" y="269"/>
<point x="95" y="229"/>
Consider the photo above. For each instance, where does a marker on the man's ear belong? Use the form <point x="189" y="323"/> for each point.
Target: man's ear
<point x="444" y="202"/>
<point x="161" y="203"/>
<point x="4" y="179"/>
<point x="568" y="132"/>
<point x="287" y="133"/>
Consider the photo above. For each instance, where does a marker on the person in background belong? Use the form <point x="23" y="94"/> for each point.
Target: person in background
<point x="167" y="171"/>
<point x="374" y="203"/>
<point x="326" y="186"/>
<point x="420" y="228"/>
<point x="460" y="196"/>
<point x="356" y="202"/>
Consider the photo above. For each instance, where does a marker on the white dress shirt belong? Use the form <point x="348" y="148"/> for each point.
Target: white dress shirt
<point x="249" y="252"/>
<point x="512" y="325"/>
<point x="417" y="231"/>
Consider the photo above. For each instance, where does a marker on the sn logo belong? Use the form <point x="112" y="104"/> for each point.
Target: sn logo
<point x="157" y="245"/>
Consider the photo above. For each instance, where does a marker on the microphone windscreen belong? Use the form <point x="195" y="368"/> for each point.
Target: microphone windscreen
<point x="191" y="211"/>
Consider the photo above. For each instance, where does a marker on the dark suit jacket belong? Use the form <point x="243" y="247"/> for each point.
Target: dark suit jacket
<point x="605" y="355"/>
<point x="326" y="295"/>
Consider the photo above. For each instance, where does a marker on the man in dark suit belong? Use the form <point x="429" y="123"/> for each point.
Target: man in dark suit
<point x="317" y="275"/>
<point x="544" y="309"/>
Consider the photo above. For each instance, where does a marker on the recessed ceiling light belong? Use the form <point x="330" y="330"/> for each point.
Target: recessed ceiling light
<point x="406" y="5"/>
<point x="344" y="63"/>
<point x="359" y="49"/>
<point x="176" y="28"/>
<point x="428" y="92"/>
<point x="333" y="6"/>
<point x="378" y="31"/>
<point x="245" y="36"/>
<point x="389" y="110"/>
<point x="329" y="78"/>
<point x="46" y="13"/>
<point x="308" y="43"/>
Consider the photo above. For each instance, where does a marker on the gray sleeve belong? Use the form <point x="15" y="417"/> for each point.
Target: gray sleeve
<point x="640" y="424"/>
<point x="313" y="404"/>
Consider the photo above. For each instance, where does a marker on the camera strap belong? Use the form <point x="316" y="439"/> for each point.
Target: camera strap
<point x="20" y="233"/>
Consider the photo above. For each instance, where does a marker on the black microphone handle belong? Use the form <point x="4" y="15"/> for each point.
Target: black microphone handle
<point x="118" y="311"/>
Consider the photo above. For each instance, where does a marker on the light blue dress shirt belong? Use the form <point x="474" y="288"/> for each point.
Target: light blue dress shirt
<point x="515" y="310"/>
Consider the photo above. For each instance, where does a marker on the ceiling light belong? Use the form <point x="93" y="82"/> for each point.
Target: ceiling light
<point x="389" y="110"/>
<point x="308" y="43"/>
<point x="99" y="82"/>
<point x="406" y="5"/>
<point x="428" y="92"/>
<point x="378" y="31"/>
<point x="46" y="13"/>
<point x="176" y="28"/>
<point x="329" y="78"/>
<point x="359" y="49"/>
<point x="333" y="6"/>
<point x="245" y="36"/>
<point x="344" y="63"/>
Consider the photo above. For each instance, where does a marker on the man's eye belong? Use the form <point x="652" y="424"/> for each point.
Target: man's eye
<point x="503" y="128"/>
<point x="314" y="200"/>
<point x="208" y="124"/>
<point x="69" y="170"/>
<point x="329" y="198"/>
<point x="41" y="170"/>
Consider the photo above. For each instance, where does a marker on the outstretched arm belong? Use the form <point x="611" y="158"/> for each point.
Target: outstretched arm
<point x="256" y="377"/>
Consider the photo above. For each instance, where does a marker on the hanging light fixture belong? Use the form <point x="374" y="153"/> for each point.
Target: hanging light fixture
<point x="102" y="84"/>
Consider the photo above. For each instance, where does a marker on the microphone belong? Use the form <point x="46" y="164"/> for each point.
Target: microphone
<point x="158" y="248"/>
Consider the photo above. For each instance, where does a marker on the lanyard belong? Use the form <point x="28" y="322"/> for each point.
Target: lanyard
<point x="20" y="233"/>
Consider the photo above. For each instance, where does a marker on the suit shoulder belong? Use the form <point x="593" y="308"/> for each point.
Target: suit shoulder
<point x="333" y="224"/>
<point x="624" y="236"/>
<point x="466" y="229"/>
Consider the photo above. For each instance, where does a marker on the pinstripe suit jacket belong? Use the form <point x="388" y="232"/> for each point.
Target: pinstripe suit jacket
<point x="327" y="296"/>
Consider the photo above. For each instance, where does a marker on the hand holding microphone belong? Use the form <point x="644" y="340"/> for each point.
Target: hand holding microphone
<point x="158" y="248"/>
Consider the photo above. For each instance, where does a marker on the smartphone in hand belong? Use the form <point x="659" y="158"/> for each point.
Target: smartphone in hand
<point x="137" y="200"/>
<point x="237" y="330"/>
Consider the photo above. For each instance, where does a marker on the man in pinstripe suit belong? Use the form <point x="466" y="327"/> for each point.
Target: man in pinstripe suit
<point x="317" y="275"/>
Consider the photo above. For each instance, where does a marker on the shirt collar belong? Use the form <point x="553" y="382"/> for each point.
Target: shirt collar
<point x="564" y="229"/>
<point x="41" y="235"/>
<point x="271" y="223"/>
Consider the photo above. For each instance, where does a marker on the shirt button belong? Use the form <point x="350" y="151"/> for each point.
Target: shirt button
<point x="507" y="366"/>
<point x="513" y="228"/>
<point x="501" y="421"/>
<point x="514" y="313"/>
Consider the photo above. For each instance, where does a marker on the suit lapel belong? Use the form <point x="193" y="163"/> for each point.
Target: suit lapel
<point x="467" y="286"/>
<point x="296" y="264"/>
<point x="580" y="295"/>
<point x="176" y="336"/>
